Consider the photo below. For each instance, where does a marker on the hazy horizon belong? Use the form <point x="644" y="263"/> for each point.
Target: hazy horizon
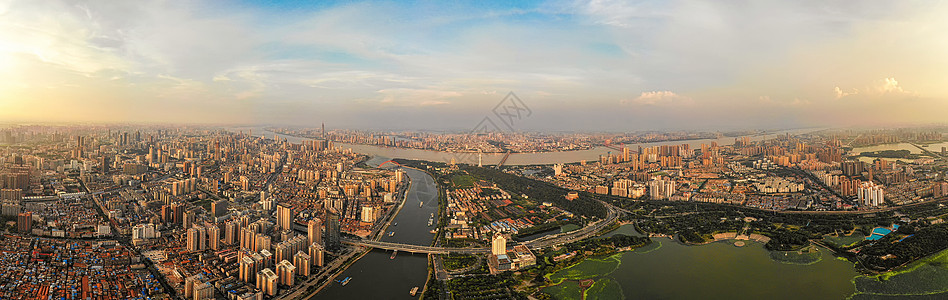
<point x="577" y="65"/>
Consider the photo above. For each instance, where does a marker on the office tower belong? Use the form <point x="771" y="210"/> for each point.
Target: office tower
<point x="24" y="222"/>
<point x="104" y="164"/>
<point x="302" y="263"/>
<point x="285" y="217"/>
<point x="286" y="271"/>
<point x="333" y="239"/>
<point x="498" y="244"/>
<point x="214" y="237"/>
<point x="316" y="253"/>
<point x="267" y="281"/>
<point x="314" y="231"/>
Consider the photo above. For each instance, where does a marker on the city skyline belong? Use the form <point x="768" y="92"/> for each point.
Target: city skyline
<point x="597" y="65"/>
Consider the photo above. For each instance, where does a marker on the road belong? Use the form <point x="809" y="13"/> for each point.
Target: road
<point x="612" y="214"/>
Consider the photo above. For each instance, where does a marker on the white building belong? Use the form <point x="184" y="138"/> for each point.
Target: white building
<point x="871" y="194"/>
<point x="145" y="231"/>
<point x="660" y="188"/>
<point x="499" y="244"/>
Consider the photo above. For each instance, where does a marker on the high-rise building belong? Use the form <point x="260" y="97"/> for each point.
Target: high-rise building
<point x="287" y="272"/>
<point x="144" y="231"/>
<point x="314" y="231"/>
<point x="302" y="262"/>
<point x="871" y="194"/>
<point x="660" y="188"/>
<point x="213" y="237"/>
<point x="370" y="214"/>
<point x="196" y="239"/>
<point x="24" y="222"/>
<point x="187" y="219"/>
<point x="219" y="208"/>
<point x="498" y="244"/>
<point x="285" y="217"/>
<point x="316" y="253"/>
<point x="230" y="232"/>
<point x="203" y="291"/>
<point x="247" y="269"/>
<point x="333" y="240"/>
<point x="261" y="242"/>
<point x="267" y="281"/>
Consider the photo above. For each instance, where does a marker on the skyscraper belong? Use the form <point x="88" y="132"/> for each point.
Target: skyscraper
<point x="196" y="239"/>
<point x="247" y="269"/>
<point x="302" y="263"/>
<point x="333" y="239"/>
<point x="287" y="272"/>
<point x="267" y="281"/>
<point x="24" y="222"/>
<point x="219" y="207"/>
<point x="213" y="237"/>
<point x="314" y="231"/>
<point x="316" y="254"/>
<point x="285" y="217"/>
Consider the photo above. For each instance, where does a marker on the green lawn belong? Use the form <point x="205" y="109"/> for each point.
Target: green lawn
<point x="462" y="181"/>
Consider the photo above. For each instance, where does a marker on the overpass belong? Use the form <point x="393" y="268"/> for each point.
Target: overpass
<point x="413" y="248"/>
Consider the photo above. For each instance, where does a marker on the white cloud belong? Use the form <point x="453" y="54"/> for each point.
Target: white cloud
<point x="660" y="98"/>
<point x="886" y="87"/>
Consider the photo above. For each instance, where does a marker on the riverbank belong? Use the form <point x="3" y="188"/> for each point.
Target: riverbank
<point x="378" y="235"/>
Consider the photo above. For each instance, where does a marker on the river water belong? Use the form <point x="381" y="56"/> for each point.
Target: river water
<point x="666" y="270"/>
<point x="543" y="158"/>
<point x="375" y="275"/>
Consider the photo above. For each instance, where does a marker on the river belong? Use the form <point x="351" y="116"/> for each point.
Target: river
<point x="664" y="270"/>
<point x="542" y="158"/>
<point x="375" y="275"/>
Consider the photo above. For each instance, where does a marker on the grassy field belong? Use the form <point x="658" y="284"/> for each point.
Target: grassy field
<point x="589" y="268"/>
<point x="458" y="261"/>
<point x="569" y="227"/>
<point x="462" y="181"/>
<point x="844" y="241"/>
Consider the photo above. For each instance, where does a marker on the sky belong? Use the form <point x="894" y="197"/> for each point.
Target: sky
<point x="442" y="65"/>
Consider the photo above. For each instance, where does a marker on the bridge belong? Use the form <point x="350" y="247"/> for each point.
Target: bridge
<point x="504" y="159"/>
<point x="414" y="248"/>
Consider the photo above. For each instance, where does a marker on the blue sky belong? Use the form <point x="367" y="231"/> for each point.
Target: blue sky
<point x="580" y="65"/>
